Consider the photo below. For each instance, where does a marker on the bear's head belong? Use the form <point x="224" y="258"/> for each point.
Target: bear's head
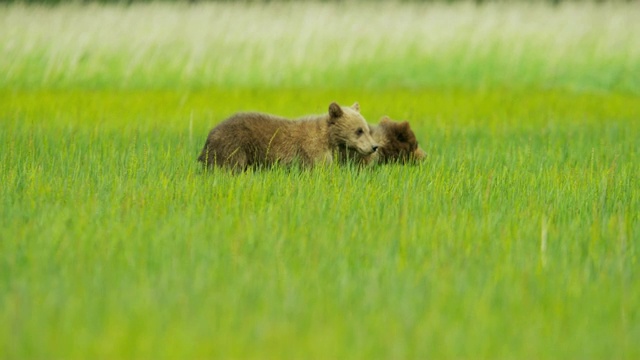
<point x="398" y="143"/>
<point x="348" y="129"/>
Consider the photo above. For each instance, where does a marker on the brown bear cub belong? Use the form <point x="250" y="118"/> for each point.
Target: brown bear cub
<point x="260" y="140"/>
<point x="397" y="144"/>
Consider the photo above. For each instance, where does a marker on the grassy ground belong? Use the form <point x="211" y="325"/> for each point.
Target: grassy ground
<point x="519" y="237"/>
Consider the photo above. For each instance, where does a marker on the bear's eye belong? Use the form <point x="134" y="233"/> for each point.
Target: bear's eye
<point x="359" y="132"/>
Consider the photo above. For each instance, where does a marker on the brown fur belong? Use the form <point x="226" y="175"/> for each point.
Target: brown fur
<point x="260" y="140"/>
<point x="397" y="144"/>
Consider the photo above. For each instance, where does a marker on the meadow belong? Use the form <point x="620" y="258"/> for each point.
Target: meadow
<point x="518" y="237"/>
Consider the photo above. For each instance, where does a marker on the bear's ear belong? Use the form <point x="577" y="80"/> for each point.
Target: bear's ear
<point x="385" y="120"/>
<point x="402" y="131"/>
<point x="335" y="111"/>
<point x="356" y="107"/>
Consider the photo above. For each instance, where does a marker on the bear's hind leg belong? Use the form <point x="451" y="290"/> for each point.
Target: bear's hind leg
<point x="207" y="156"/>
<point x="237" y="160"/>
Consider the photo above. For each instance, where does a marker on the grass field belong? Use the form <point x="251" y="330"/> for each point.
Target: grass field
<point x="518" y="237"/>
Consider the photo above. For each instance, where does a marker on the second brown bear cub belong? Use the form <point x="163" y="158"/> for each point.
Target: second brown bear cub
<point x="397" y="144"/>
<point x="260" y="140"/>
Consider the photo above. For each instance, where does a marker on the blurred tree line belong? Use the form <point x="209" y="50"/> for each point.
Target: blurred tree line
<point x="53" y="2"/>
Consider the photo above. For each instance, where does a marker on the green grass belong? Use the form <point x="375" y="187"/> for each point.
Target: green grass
<point x="517" y="238"/>
<point x="116" y="244"/>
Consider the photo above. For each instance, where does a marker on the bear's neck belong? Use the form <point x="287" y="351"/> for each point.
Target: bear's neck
<point x="316" y="131"/>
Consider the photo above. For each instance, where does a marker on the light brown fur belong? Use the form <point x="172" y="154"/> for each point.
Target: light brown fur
<point x="397" y="144"/>
<point x="260" y="140"/>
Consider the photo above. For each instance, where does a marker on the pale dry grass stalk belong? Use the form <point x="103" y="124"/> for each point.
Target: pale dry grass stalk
<point x="543" y="240"/>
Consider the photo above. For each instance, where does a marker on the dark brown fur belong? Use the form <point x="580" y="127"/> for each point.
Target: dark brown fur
<point x="397" y="144"/>
<point x="260" y="140"/>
